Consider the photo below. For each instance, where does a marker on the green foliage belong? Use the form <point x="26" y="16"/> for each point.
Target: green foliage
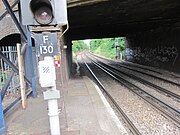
<point x="106" y="46"/>
<point x="79" y="46"/>
<point x="121" y="42"/>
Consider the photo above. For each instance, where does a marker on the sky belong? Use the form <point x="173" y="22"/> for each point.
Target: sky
<point x="87" y="41"/>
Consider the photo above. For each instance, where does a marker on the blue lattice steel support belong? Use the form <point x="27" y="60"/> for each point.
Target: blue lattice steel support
<point x="28" y="53"/>
<point x="29" y="70"/>
<point x="29" y="64"/>
<point x="14" y="68"/>
<point x="2" y="121"/>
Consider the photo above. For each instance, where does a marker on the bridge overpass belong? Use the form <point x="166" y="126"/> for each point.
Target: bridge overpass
<point x="151" y="28"/>
<point x="110" y="18"/>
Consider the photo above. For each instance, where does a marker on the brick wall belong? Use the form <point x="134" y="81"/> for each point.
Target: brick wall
<point x="7" y="25"/>
<point x="2" y="6"/>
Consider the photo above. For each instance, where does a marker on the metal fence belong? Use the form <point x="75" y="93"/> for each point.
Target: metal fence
<point x="11" y="53"/>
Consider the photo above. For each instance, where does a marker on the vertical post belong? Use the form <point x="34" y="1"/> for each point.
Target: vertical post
<point x="2" y="73"/>
<point x="2" y="121"/>
<point x="29" y="64"/>
<point x="68" y="42"/>
<point x="117" y="50"/>
<point x="47" y="68"/>
<point x="11" y="59"/>
<point x="54" y="115"/>
<point x="121" y="57"/>
<point x="21" y="76"/>
<point x="52" y="96"/>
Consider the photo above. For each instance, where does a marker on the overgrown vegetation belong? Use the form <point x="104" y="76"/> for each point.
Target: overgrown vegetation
<point x="79" y="46"/>
<point x="105" y="47"/>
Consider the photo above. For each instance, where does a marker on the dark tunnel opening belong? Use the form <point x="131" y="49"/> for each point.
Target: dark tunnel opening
<point x="12" y="40"/>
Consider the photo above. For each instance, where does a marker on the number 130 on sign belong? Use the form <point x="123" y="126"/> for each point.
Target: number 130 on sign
<point x="44" y="49"/>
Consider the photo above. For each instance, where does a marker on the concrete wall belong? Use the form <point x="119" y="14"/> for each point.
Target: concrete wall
<point x="157" y="48"/>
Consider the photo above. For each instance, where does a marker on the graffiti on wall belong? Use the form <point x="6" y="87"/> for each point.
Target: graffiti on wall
<point x="158" y="54"/>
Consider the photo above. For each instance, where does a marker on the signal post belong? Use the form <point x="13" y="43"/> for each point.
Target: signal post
<point x="44" y="16"/>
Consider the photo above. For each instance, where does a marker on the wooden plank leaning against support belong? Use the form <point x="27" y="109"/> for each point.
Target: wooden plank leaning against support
<point x="21" y="76"/>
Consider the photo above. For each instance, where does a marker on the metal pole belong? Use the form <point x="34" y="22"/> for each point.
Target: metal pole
<point x="2" y="78"/>
<point x="11" y="59"/>
<point x="6" y="85"/>
<point x="29" y="65"/>
<point x="2" y="120"/>
<point x="47" y="68"/>
<point x="54" y="116"/>
<point x="118" y="52"/>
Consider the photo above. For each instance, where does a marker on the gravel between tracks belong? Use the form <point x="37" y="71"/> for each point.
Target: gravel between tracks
<point x="145" y="117"/>
<point x="155" y="81"/>
<point x="165" y="74"/>
<point x="160" y="83"/>
<point x="170" y="101"/>
<point x="166" y="99"/>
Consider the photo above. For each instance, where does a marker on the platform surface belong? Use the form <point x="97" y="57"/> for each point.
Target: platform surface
<point x="84" y="111"/>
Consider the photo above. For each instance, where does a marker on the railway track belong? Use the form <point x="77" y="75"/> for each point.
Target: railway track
<point x="168" y="111"/>
<point x="138" y="69"/>
<point x="161" y="72"/>
<point x="162" y="90"/>
<point x="128" y="122"/>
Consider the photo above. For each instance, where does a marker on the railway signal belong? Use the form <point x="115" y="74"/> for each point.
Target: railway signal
<point x="43" y="12"/>
<point x="43" y="15"/>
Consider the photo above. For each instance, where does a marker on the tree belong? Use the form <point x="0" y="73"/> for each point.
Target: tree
<point x="106" y="46"/>
<point x="79" y="46"/>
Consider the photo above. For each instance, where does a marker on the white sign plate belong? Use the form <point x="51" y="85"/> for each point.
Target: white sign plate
<point x="47" y="75"/>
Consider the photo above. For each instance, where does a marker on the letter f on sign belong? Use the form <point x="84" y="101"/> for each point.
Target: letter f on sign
<point x="45" y="38"/>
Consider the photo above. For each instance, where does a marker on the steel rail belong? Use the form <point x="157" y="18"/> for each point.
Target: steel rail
<point x="169" y="81"/>
<point x="118" y="63"/>
<point x="146" y="68"/>
<point x="165" y="91"/>
<point x="148" y="74"/>
<point x="131" y="126"/>
<point x="175" y="117"/>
